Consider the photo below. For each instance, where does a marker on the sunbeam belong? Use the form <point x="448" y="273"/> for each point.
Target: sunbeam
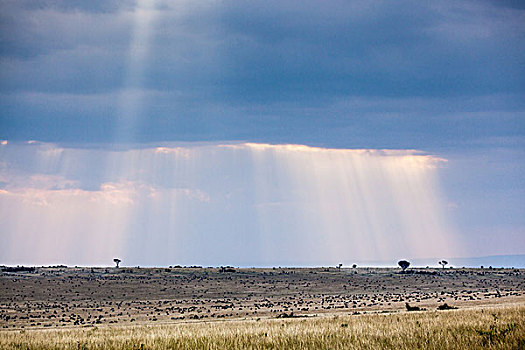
<point x="243" y="204"/>
<point x="131" y="96"/>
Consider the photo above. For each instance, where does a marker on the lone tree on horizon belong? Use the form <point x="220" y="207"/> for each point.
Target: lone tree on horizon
<point x="403" y="264"/>
<point x="443" y="263"/>
<point x="117" y="261"/>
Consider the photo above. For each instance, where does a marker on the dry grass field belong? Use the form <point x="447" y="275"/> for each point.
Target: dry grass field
<point x="317" y="308"/>
<point x="493" y="327"/>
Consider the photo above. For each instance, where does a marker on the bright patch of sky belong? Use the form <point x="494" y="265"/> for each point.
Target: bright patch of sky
<point x="244" y="204"/>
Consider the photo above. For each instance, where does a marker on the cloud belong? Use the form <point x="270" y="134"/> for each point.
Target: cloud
<point x="272" y="73"/>
<point x="43" y="190"/>
<point x="279" y="51"/>
<point x="254" y="201"/>
<point x="243" y="201"/>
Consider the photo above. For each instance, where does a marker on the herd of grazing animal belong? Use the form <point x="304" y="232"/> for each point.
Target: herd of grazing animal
<point x="60" y="296"/>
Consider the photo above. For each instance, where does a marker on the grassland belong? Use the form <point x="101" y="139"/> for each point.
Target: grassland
<point x="308" y="308"/>
<point x="494" y="328"/>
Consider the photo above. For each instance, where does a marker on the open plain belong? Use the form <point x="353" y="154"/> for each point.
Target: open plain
<point x="136" y="301"/>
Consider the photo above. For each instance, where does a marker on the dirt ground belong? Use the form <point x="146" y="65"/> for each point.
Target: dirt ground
<point x="75" y="297"/>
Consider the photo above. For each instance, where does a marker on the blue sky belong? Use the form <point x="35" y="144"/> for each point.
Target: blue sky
<point x="447" y="78"/>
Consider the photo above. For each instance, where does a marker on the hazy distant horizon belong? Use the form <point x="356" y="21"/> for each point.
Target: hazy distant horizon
<point x="494" y="261"/>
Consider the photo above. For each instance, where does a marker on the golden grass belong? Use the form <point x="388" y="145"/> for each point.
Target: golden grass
<point x="494" y="328"/>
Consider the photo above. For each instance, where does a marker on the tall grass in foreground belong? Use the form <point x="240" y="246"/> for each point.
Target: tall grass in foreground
<point x="495" y="328"/>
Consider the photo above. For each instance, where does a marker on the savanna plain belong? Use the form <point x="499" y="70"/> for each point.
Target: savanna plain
<point x="267" y="308"/>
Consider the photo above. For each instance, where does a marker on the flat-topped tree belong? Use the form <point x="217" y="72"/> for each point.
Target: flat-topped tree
<point x="117" y="261"/>
<point x="403" y="264"/>
<point x="443" y="263"/>
<point x="339" y="267"/>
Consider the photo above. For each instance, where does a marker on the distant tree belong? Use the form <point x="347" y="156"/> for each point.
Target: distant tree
<point x="403" y="264"/>
<point x="354" y="266"/>
<point x="117" y="261"/>
<point x="443" y="263"/>
<point x="339" y="267"/>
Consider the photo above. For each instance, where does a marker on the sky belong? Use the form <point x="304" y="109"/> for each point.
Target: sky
<point x="90" y="91"/>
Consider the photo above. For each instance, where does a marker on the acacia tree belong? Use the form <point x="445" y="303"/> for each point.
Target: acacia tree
<point x="443" y="263"/>
<point x="117" y="261"/>
<point x="339" y="267"/>
<point x="403" y="264"/>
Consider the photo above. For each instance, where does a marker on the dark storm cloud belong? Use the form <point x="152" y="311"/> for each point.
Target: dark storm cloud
<point x="341" y="73"/>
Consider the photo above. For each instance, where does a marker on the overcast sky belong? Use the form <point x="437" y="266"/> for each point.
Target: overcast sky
<point x="446" y="78"/>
